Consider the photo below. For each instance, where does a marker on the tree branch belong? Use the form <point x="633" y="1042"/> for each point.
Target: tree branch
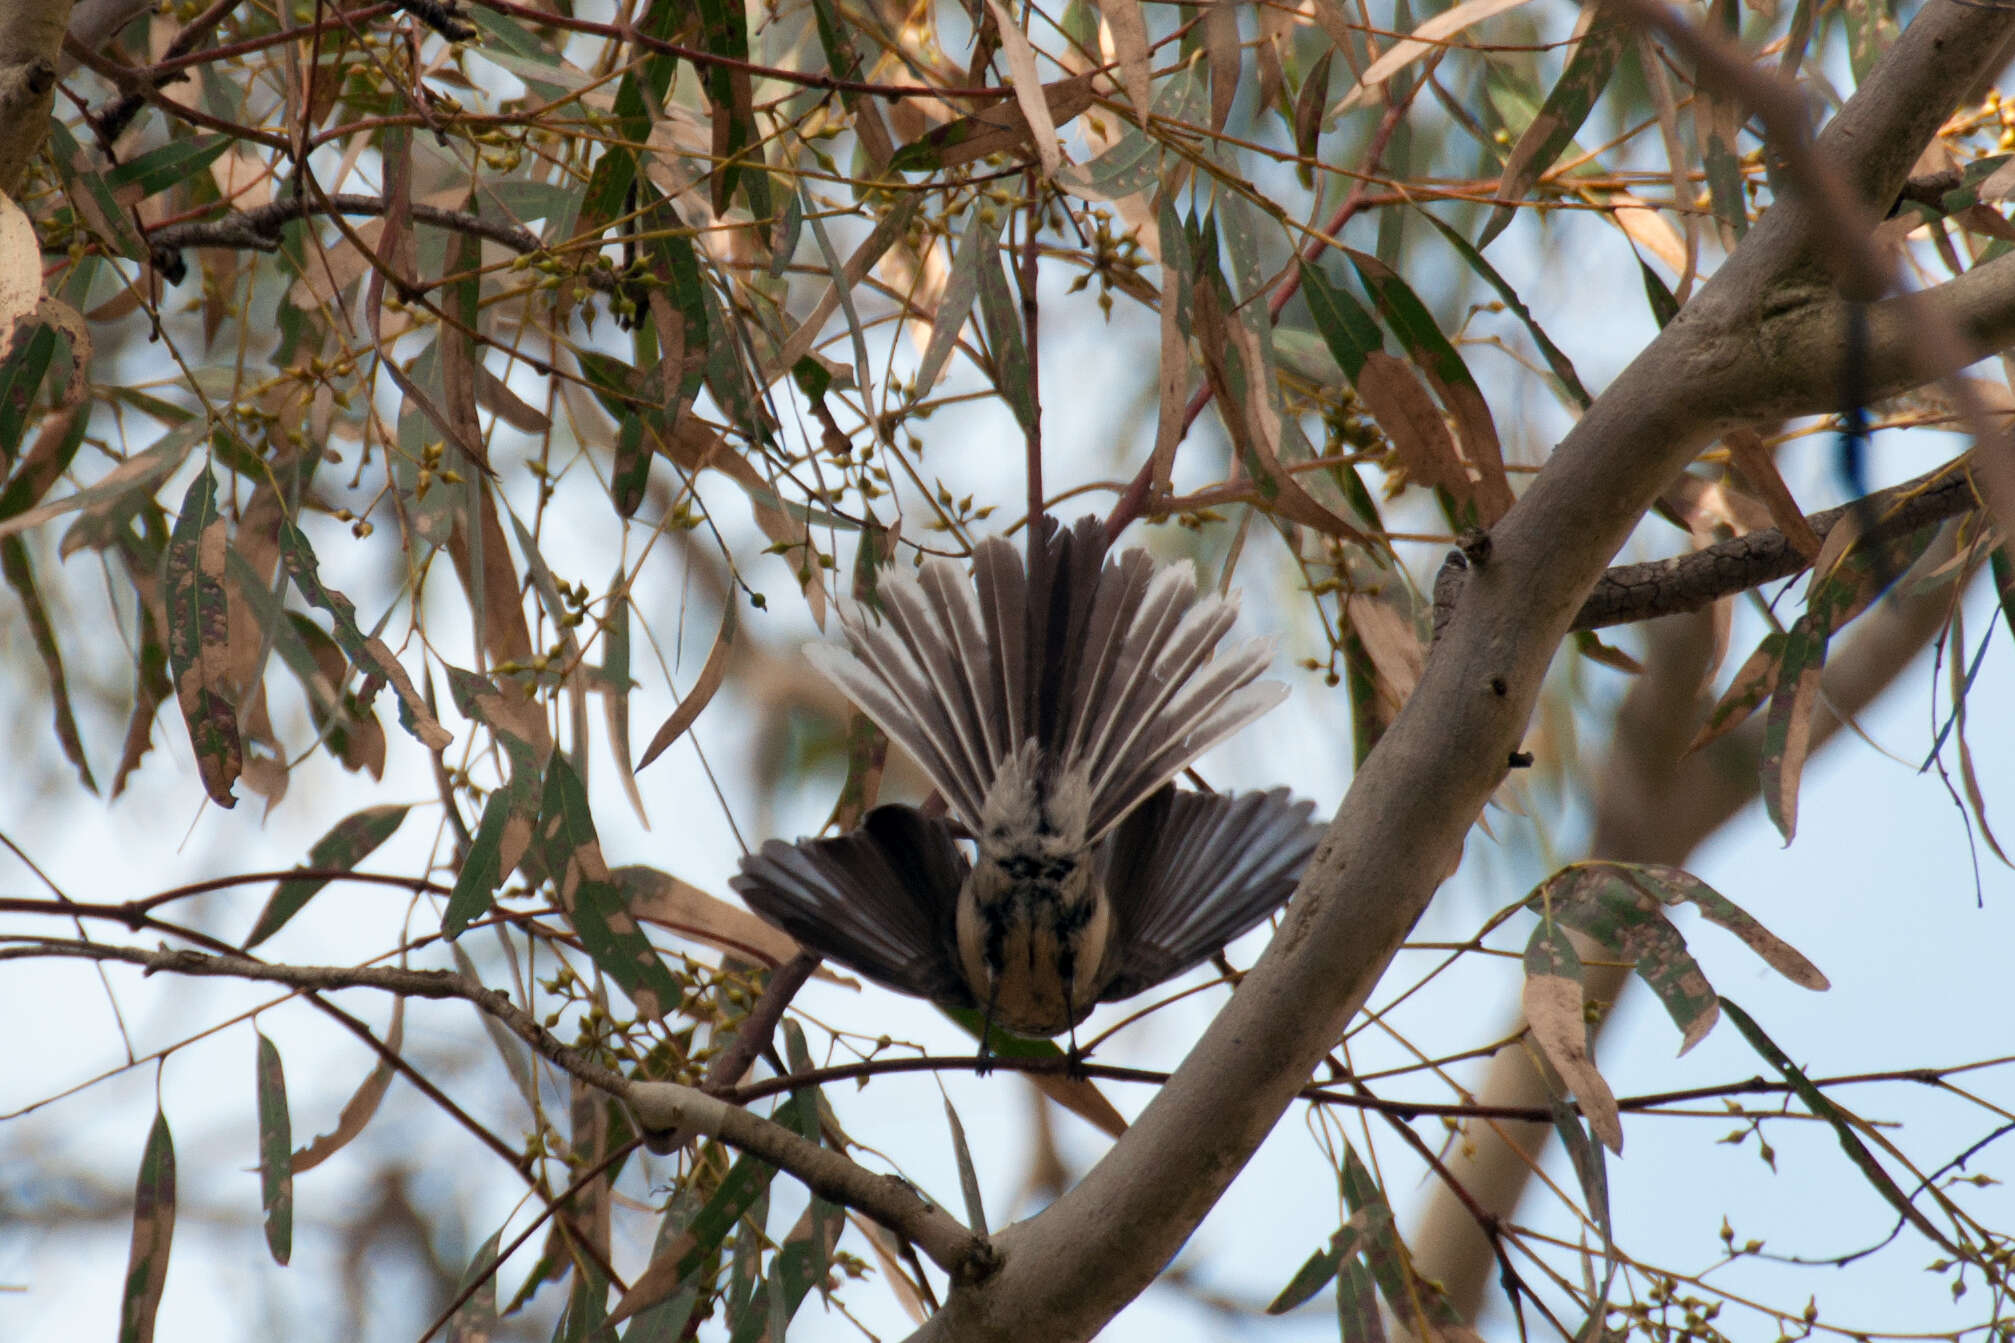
<point x="1401" y="827"/>
<point x="1630" y="593"/>
<point x="259" y="229"/>
<point x="1656" y="803"/>
<point x="31" y="42"/>
<point x="658" y="1105"/>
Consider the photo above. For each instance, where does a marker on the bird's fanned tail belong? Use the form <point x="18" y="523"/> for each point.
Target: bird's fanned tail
<point x="1107" y="662"/>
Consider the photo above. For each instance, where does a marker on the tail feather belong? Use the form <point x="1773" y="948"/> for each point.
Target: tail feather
<point x="1106" y="662"/>
<point x="1003" y="603"/>
<point x="889" y="685"/>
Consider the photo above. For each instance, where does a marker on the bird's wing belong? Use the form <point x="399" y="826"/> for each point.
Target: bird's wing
<point x="1188" y="872"/>
<point x="880" y="899"/>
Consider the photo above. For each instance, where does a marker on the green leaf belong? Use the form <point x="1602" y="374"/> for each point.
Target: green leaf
<point x="1842" y="1124"/>
<point x="510" y="816"/>
<point x="1787" y="731"/>
<point x="1839" y="593"/>
<point x="1344" y="324"/>
<point x="99" y="210"/>
<point x="351" y="732"/>
<point x="512" y="47"/>
<point x="979" y="248"/>
<point x="276" y="1153"/>
<point x="724" y="31"/>
<point x="20" y="575"/>
<point x="199" y="636"/>
<point x="573" y="856"/>
<point x="112" y="500"/>
<point x="1664" y="307"/>
<point x="587" y="1306"/>
<point x="1006" y="1045"/>
<point x="1754" y="680"/>
<point x="168" y="165"/>
<point x="21" y="376"/>
<point x="1357" y="1317"/>
<point x="1724" y="184"/>
<point x="1871" y="30"/>
<point x="348" y="842"/>
<point x="475" y="1320"/>
<point x="1382" y="1252"/>
<point x="153" y="1233"/>
<point x="484" y="869"/>
<point x="368" y="652"/>
<point x="680" y="1262"/>
<point x="1556" y="359"/>
<point x="1001" y="315"/>
<point x="1591" y="1172"/>
<point x="1553" y="128"/>
<point x="665" y="1321"/>
<point x="1435" y="356"/>
<point x="1320" y="1267"/>
<point x="2004" y="584"/>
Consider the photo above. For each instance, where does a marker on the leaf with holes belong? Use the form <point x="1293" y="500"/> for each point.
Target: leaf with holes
<point x="1620" y="906"/>
<point x="1554" y="1008"/>
<point x="594" y="903"/>
<point x="199" y="636"/>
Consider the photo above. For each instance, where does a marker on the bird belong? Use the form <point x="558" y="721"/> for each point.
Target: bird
<point x="1052" y="706"/>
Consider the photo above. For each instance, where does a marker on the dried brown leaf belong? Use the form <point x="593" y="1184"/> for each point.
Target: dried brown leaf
<point x="704" y="686"/>
<point x="363" y="1103"/>
<point x="1554" y="1009"/>
<point x="1748" y="455"/>
<point x="679" y="906"/>
<point x="1130" y="49"/>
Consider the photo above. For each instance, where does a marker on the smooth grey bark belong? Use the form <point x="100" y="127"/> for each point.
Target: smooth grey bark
<point x="1401" y="827"/>
<point x="31" y="44"/>
<point x="1653" y="804"/>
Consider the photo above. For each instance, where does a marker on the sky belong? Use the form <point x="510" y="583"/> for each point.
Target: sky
<point x="1880" y="889"/>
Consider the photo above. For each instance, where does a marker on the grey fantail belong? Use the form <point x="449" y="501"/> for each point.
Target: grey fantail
<point x="1052" y="708"/>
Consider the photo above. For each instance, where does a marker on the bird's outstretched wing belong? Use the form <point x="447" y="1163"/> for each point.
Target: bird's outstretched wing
<point x="880" y="899"/>
<point x="1188" y="872"/>
<point x="1106" y="662"/>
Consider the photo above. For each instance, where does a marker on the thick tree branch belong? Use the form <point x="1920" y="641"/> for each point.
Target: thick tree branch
<point x="1656" y="803"/>
<point x="1401" y="827"/>
<point x="31" y="43"/>
<point x="1629" y="593"/>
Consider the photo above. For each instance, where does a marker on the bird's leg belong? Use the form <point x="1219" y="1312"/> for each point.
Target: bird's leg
<point x="984" y="1063"/>
<point x="1073" y="1064"/>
